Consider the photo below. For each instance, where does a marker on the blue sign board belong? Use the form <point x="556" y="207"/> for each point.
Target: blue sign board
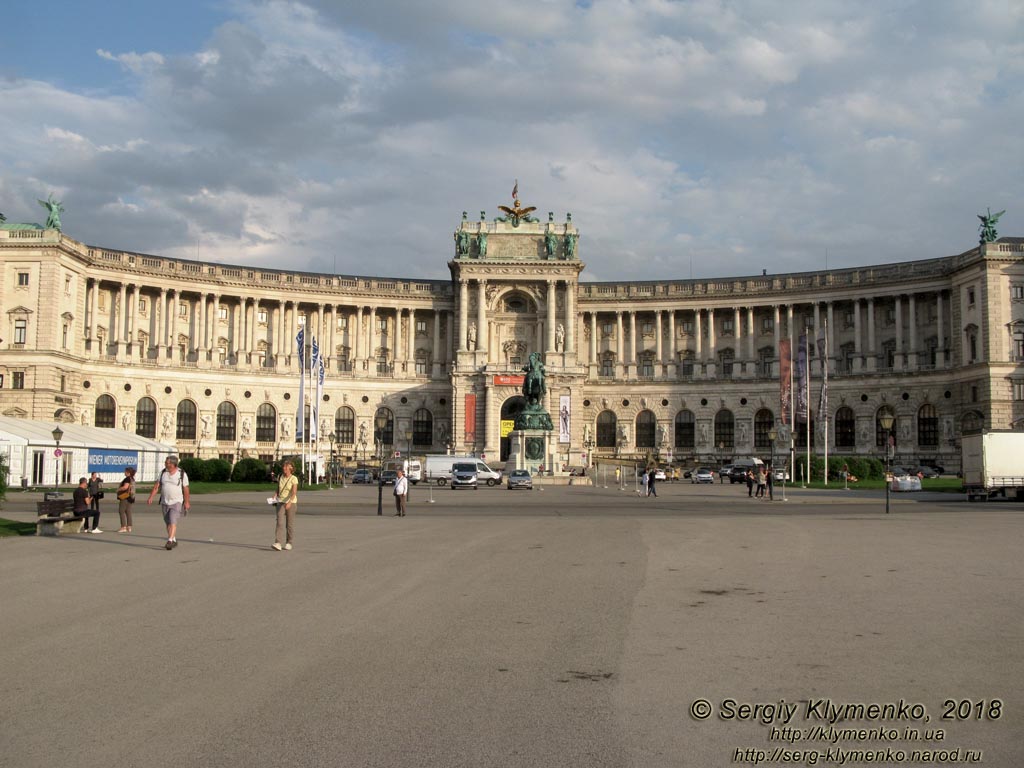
<point x="110" y="460"/>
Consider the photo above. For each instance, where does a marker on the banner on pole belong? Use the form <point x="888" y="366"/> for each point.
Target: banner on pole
<point x="300" y="416"/>
<point x="785" y="380"/>
<point x="314" y="368"/>
<point x="800" y="374"/>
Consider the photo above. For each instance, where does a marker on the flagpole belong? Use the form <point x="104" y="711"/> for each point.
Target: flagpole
<point x="824" y="397"/>
<point x="807" y="402"/>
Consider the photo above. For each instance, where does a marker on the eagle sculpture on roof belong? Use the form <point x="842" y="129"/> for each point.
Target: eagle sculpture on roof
<point x="516" y="213"/>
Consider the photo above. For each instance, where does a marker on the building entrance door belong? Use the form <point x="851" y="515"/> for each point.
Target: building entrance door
<point x="510" y="409"/>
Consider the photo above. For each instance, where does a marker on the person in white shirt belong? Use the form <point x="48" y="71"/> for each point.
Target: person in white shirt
<point x="401" y="491"/>
<point x="175" y="498"/>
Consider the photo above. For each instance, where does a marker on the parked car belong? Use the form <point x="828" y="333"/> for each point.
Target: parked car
<point x="737" y="475"/>
<point x="362" y="476"/>
<point x="388" y="476"/>
<point x="464" y="475"/>
<point x="937" y="468"/>
<point x="519" y="478"/>
<point x="780" y="475"/>
<point x="703" y="475"/>
<point x="659" y="474"/>
<point x="901" y="472"/>
<point x="928" y="472"/>
<point x="726" y="470"/>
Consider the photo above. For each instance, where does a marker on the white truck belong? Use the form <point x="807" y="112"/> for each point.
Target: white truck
<point x="993" y="465"/>
<point x="438" y="469"/>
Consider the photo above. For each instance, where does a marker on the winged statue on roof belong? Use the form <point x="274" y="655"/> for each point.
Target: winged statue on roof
<point x="516" y="213"/>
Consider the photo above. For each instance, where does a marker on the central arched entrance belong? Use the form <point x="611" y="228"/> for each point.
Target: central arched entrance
<point x="510" y="409"/>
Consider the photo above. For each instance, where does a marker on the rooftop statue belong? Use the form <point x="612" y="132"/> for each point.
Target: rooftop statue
<point x="461" y="242"/>
<point x="516" y="214"/>
<point x="988" y="226"/>
<point x="570" y="245"/>
<point x="55" y="209"/>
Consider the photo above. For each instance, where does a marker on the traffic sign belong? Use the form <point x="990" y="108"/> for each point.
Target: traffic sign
<point x="58" y="453"/>
<point x="398" y="454"/>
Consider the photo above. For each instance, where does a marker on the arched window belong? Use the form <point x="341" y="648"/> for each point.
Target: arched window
<point x="145" y="417"/>
<point x="266" y="424"/>
<point x="186" y="429"/>
<point x="345" y="425"/>
<point x="685" y="436"/>
<point x="422" y="427"/>
<point x="226" y="422"/>
<point x="801" y="434"/>
<point x="972" y="421"/>
<point x="927" y="426"/>
<point x="606" y="423"/>
<point x="725" y="426"/>
<point x="106" y="412"/>
<point x="386" y="434"/>
<point x="880" y="434"/>
<point x="645" y="428"/>
<point x="846" y="424"/>
<point x="764" y="420"/>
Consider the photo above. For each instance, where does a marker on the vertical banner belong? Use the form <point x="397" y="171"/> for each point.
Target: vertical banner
<point x="300" y="419"/>
<point x="321" y="368"/>
<point x="314" y="369"/>
<point x="800" y="374"/>
<point x="785" y="381"/>
<point x="564" y="418"/>
<point x="470" y="437"/>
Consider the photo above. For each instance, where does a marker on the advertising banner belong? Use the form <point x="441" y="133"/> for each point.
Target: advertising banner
<point x="470" y="419"/>
<point x="785" y="381"/>
<point x="110" y="460"/>
<point x="503" y="380"/>
<point x="800" y="373"/>
<point x="564" y="418"/>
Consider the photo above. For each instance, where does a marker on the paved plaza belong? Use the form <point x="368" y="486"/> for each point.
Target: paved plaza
<point x="569" y="626"/>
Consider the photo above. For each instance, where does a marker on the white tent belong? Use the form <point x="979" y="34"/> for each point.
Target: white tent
<point x="31" y="453"/>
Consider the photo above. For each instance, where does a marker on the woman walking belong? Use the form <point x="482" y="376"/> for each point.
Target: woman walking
<point x="287" y="502"/>
<point x="126" y="500"/>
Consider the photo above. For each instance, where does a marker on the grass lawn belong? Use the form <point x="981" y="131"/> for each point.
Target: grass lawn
<point x="938" y="485"/>
<point x="13" y="528"/>
<point x="201" y="487"/>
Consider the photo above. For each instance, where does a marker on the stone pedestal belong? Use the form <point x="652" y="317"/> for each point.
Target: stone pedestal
<point x="531" y="449"/>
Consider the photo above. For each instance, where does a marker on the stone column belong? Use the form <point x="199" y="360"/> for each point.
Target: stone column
<point x="620" y="347"/>
<point x="237" y="335"/>
<point x="831" y="336"/>
<point x="751" y="355"/>
<point x="552" y="317"/>
<point x="481" y="318"/>
<point x="280" y="351"/>
<point x="632" y="342"/>
<point x="593" y="338"/>
<point x="436" y="354"/>
<point x="671" y="338"/>
<point x="254" y="323"/>
<point x="698" y="331"/>
<point x="93" y="299"/>
<point x="357" y="339"/>
<point x="712" y="343"/>
<point x="940" y="353"/>
<point x="463" y="317"/>
<point x="858" y="360"/>
<point x="912" y="333"/>
<point x="410" y="352"/>
<point x="816" y="367"/>
<point x="570" y="317"/>
<point x="872" y="352"/>
<point x="777" y="331"/>
<point x="133" y="332"/>
<point x="173" y="299"/>
<point x="398" y="355"/>
<point x="657" y="340"/>
<point x="898" y="358"/>
<point x="120" y="316"/>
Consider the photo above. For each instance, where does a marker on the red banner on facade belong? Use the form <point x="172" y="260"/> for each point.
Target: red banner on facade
<point x="509" y="381"/>
<point x="470" y="420"/>
<point x="785" y="380"/>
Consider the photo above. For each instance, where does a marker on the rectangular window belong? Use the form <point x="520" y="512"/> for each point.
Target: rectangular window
<point x="67" y="286"/>
<point x="222" y="313"/>
<point x="647" y="327"/>
<point x="608" y="329"/>
<point x="20" y="331"/>
<point x="382" y="324"/>
<point x="142" y="306"/>
<point x="970" y="296"/>
<point x="687" y="326"/>
<point x="301" y="320"/>
<point x="18" y="380"/>
<point x="183" y="310"/>
<point x="728" y="327"/>
<point x="421" y="327"/>
<point x="421" y="366"/>
<point x="767" y="324"/>
<point x="848" y="320"/>
<point x="607" y="367"/>
<point x="64" y="338"/>
<point x="890" y="315"/>
<point x="228" y="457"/>
<point x="1018" y="390"/>
<point x="342" y="323"/>
<point x="647" y="367"/>
<point x="63" y="383"/>
<point x="22" y="279"/>
<point x="261" y="317"/>
<point x="1017" y="291"/>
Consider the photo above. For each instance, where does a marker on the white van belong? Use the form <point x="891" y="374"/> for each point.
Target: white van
<point x="438" y="469"/>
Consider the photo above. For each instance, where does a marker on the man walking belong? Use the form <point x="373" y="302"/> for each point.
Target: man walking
<point x="174" y="497"/>
<point x="650" y="482"/>
<point x="401" y="492"/>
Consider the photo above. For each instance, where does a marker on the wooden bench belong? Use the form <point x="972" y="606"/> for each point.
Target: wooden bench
<point x="57" y="516"/>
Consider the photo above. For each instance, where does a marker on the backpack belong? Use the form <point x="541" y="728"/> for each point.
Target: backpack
<point x="181" y="474"/>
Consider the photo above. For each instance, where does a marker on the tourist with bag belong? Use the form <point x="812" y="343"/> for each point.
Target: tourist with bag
<point x="401" y="492"/>
<point x="126" y="500"/>
<point x="287" y="501"/>
<point x="175" y="497"/>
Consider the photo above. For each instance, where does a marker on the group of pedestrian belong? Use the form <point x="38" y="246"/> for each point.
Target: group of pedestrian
<point x="649" y="481"/>
<point x="760" y="484"/>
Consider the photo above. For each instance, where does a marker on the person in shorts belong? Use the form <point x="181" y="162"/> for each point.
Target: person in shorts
<point x="174" y="497"/>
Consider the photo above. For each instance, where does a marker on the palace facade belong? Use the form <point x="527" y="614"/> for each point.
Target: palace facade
<point x="204" y="355"/>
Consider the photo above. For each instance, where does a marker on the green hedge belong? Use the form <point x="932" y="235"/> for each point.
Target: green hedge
<point x="249" y="471"/>
<point x="207" y="470"/>
<point x="862" y="467"/>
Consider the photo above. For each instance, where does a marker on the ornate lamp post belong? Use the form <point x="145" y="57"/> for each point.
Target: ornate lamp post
<point x="408" y="457"/>
<point x="379" y="422"/>
<point x="57" y="433"/>
<point x="772" y="434"/>
<point x="885" y="420"/>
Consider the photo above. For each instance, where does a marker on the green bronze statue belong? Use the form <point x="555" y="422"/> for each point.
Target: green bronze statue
<point x="55" y="209"/>
<point x="570" y="245"/>
<point x="550" y="244"/>
<point x="533" y="416"/>
<point x="481" y="241"/>
<point x="988" y="226"/>
<point x="461" y="243"/>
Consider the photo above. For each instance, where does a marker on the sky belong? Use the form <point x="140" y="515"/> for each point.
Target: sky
<point x="688" y="139"/>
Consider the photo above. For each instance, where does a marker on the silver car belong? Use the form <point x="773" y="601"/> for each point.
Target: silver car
<point x="519" y="478"/>
<point x="464" y="475"/>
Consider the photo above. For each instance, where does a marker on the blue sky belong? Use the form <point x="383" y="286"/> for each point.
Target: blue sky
<point x="731" y="136"/>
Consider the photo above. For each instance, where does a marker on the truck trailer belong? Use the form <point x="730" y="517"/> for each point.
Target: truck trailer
<point x="993" y="465"/>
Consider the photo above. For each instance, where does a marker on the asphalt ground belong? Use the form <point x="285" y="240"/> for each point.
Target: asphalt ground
<point x="569" y="626"/>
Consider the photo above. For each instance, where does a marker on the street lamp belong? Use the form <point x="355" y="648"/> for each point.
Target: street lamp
<point x="886" y="419"/>
<point x="772" y="434"/>
<point x="57" y="433"/>
<point x="379" y="422"/>
<point x="408" y="458"/>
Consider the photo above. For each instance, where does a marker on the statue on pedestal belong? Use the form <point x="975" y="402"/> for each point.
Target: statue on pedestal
<point x="533" y="416"/>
